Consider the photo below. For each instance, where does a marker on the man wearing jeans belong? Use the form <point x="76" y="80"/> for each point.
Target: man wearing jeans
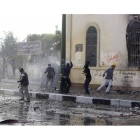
<point x="24" y="86"/>
<point x="108" y="78"/>
<point x="50" y="76"/>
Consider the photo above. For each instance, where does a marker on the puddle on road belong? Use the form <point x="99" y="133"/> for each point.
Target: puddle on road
<point x="46" y="112"/>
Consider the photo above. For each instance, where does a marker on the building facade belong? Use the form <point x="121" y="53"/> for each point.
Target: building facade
<point x="102" y="40"/>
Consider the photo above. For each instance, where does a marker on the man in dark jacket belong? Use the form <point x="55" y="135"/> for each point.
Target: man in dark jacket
<point x="24" y="82"/>
<point x="50" y="74"/>
<point x="88" y="77"/>
<point x="65" y="77"/>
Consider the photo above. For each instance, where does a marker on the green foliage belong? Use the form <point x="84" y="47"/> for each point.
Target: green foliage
<point x="51" y="44"/>
<point x="9" y="51"/>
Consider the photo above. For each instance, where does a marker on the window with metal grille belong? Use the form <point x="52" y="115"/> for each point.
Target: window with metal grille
<point x="91" y="46"/>
<point x="133" y="43"/>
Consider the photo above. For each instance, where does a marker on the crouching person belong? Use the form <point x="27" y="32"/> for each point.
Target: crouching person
<point x="23" y="88"/>
<point x="108" y="78"/>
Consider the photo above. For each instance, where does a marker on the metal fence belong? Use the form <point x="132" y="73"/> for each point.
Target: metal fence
<point x="133" y="45"/>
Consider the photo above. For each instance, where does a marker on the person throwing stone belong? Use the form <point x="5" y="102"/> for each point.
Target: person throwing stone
<point x="23" y="88"/>
<point x="65" y="77"/>
<point x="108" y="78"/>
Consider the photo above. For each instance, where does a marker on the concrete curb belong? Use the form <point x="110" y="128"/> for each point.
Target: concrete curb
<point x="78" y="99"/>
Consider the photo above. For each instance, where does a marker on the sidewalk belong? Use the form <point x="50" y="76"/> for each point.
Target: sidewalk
<point x="78" y="99"/>
<point x="115" y="98"/>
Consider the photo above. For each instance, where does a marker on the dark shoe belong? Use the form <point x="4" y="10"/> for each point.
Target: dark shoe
<point x="21" y="99"/>
<point x="87" y="93"/>
<point x="98" y="91"/>
<point x="106" y="92"/>
<point x="67" y="92"/>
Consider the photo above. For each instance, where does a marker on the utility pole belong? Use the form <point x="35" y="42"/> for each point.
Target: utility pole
<point x="63" y="51"/>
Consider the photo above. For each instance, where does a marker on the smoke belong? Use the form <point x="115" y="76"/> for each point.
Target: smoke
<point x="36" y="69"/>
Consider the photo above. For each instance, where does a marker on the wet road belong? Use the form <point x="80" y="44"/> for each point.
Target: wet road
<point x="46" y="112"/>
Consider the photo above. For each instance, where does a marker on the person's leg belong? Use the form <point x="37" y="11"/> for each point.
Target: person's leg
<point x="69" y="84"/>
<point x="26" y="93"/>
<point x="109" y="86"/>
<point x="87" y="81"/>
<point x="86" y="85"/>
<point x="105" y="82"/>
<point x="53" y="83"/>
<point x="62" y="84"/>
<point x="46" y="82"/>
<point x="49" y="85"/>
<point x="21" y="93"/>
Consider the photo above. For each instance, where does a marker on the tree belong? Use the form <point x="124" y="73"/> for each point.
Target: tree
<point x="9" y="51"/>
<point x="51" y="44"/>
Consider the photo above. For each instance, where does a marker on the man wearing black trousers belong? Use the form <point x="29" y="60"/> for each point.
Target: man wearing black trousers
<point x="65" y="77"/>
<point x="88" y="77"/>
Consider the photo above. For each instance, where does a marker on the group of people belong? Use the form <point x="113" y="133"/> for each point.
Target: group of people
<point x="65" y="81"/>
<point x="50" y="74"/>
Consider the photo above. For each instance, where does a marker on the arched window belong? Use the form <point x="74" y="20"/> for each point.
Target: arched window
<point x="133" y="43"/>
<point x="91" y="46"/>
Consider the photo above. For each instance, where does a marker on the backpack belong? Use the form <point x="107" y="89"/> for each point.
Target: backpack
<point x="50" y="73"/>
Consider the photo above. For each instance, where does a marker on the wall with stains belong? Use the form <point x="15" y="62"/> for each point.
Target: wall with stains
<point x="111" y="45"/>
<point x="120" y="78"/>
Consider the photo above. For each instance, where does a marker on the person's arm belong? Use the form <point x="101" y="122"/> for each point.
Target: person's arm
<point x="85" y="71"/>
<point x="71" y="64"/>
<point x="54" y="71"/>
<point x="105" y="72"/>
<point x="46" y="71"/>
<point x="22" y="78"/>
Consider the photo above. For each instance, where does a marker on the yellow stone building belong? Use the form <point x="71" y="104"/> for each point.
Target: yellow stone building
<point x="104" y="39"/>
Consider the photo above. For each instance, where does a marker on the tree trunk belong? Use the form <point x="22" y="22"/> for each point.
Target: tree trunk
<point x="3" y="73"/>
<point x="13" y="67"/>
<point x="14" y="71"/>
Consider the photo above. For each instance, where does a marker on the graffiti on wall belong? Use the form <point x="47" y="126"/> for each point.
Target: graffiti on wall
<point x="129" y="73"/>
<point x="100" y="74"/>
<point x="110" y="58"/>
<point x="128" y="78"/>
<point x="113" y="57"/>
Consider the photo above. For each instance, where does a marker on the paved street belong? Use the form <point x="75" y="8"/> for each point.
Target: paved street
<point x="124" y="95"/>
<point x="47" y="112"/>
